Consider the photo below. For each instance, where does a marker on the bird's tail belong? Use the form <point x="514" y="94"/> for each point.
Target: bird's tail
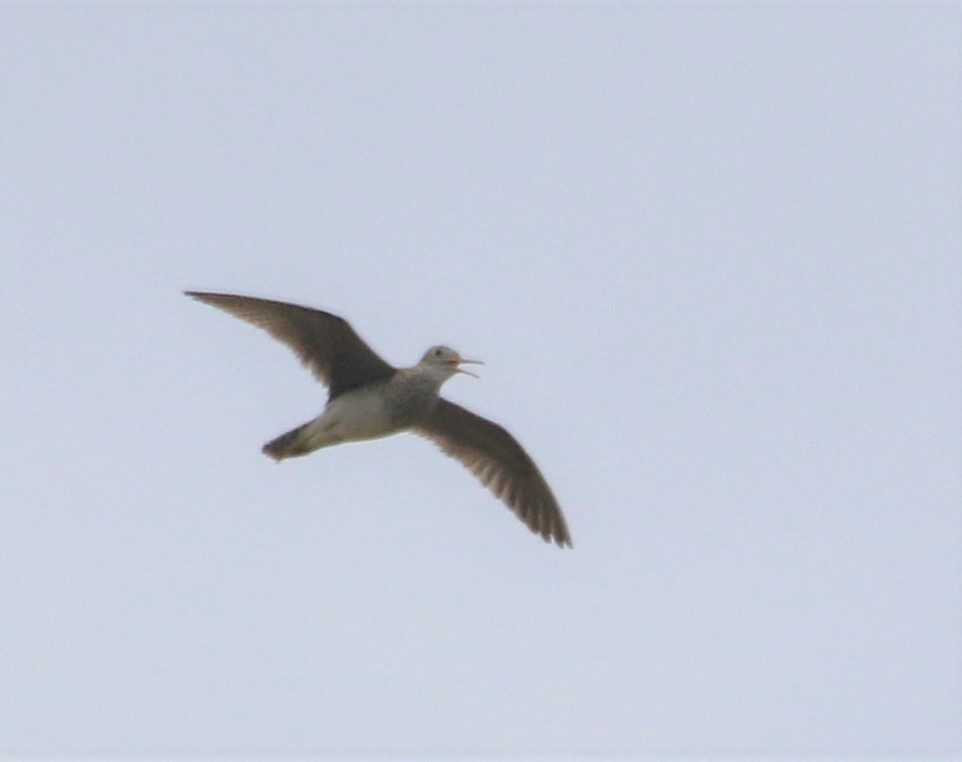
<point x="289" y="445"/>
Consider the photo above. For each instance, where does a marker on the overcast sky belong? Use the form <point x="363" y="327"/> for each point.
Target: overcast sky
<point x="711" y="257"/>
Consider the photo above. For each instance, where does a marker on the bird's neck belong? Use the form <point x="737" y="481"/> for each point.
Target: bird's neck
<point x="413" y="393"/>
<point x="426" y="376"/>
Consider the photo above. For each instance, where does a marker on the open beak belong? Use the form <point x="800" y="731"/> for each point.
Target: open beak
<point x="462" y="361"/>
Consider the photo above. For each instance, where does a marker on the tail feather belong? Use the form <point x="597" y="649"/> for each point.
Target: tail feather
<point x="288" y="445"/>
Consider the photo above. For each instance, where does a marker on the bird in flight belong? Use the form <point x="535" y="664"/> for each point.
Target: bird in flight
<point x="368" y="399"/>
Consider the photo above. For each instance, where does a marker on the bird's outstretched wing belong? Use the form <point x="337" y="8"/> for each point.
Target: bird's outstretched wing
<point x="496" y="458"/>
<point x="324" y="342"/>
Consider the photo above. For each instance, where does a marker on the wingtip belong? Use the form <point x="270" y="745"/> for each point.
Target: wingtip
<point x="204" y="295"/>
<point x="562" y="541"/>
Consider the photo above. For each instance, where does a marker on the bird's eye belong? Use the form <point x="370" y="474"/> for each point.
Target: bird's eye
<point x="437" y="352"/>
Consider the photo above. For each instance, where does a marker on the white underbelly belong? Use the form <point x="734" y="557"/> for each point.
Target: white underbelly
<point x="352" y="416"/>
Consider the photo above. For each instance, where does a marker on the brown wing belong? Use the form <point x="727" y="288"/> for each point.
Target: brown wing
<point x="496" y="458"/>
<point x="325" y="343"/>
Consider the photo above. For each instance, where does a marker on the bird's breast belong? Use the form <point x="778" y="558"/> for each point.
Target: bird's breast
<point x="410" y="399"/>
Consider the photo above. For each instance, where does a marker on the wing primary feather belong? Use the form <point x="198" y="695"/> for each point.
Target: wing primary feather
<point x="324" y="342"/>
<point x="501" y="464"/>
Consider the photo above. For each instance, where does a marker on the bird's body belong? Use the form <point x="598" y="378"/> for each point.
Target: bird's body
<point x="368" y="412"/>
<point x="369" y="399"/>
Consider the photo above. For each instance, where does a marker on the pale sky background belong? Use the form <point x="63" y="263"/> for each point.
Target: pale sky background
<point x="712" y="256"/>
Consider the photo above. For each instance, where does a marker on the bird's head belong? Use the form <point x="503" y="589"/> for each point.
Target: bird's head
<point x="447" y="360"/>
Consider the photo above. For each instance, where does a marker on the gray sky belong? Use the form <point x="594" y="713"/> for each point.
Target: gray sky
<point x="711" y="255"/>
